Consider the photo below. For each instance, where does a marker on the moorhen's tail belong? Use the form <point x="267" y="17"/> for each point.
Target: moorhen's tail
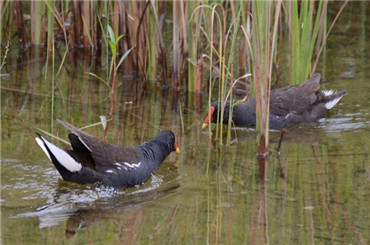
<point x="64" y="163"/>
<point x="68" y="167"/>
<point x="326" y="100"/>
<point x="330" y="97"/>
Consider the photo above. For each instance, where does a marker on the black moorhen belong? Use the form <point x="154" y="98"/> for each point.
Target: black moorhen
<point x="288" y="106"/>
<point x="93" y="160"/>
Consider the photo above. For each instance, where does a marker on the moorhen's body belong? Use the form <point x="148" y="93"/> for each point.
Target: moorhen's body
<point x="288" y="106"/>
<point x="93" y="160"/>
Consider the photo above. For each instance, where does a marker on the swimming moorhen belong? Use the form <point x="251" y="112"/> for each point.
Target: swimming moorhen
<point x="288" y="106"/>
<point x="93" y="160"/>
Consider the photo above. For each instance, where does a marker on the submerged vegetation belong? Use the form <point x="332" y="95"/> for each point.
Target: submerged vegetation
<point x="223" y="46"/>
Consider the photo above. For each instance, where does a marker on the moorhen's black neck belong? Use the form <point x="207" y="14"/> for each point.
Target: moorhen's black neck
<point x="243" y="114"/>
<point x="157" y="149"/>
<point x="155" y="152"/>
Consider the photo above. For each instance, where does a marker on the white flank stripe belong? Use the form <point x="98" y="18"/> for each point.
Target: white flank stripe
<point x="136" y="165"/>
<point x="332" y="103"/>
<point x="63" y="157"/>
<point x="328" y="92"/>
<point x="133" y="165"/>
<point x="109" y="171"/>
<point x="41" y="144"/>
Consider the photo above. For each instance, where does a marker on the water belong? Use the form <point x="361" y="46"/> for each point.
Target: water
<point x="315" y="191"/>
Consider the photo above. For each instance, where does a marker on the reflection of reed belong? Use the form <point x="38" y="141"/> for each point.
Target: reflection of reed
<point x="331" y="181"/>
<point x="329" y="197"/>
<point x="259" y="222"/>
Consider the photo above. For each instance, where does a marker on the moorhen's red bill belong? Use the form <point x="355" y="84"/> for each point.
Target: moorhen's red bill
<point x="93" y="160"/>
<point x="288" y="106"/>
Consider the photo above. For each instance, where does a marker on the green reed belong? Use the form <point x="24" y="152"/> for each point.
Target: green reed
<point x="37" y="10"/>
<point x="193" y="30"/>
<point x="264" y="28"/>
<point x="153" y="53"/>
<point x="304" y="32"/>
<point x="201" y="32"/>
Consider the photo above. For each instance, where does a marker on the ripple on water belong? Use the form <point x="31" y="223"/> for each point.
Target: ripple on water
<point x="67" y="199"/>
<point x="342" y="124"/>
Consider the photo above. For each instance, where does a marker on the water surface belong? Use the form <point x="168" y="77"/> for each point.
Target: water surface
<point x="315" y="191"/>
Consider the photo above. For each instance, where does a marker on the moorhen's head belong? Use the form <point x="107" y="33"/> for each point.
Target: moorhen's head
<point x="167" y="137"/>
<point x="213" y="114"/>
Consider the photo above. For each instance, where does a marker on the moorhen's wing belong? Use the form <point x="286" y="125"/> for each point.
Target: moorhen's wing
<point x="103" y="155"/>
<point x="296" y="98"/>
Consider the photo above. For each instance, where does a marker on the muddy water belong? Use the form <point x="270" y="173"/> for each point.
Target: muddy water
<point x="315" y="191"/>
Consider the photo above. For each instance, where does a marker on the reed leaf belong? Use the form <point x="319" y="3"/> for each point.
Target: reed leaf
<point x="86" y="28"/>
<point x="124" y="55"/>
<point x="53" y="136"/>
<point x="99" y="78"/>
<point x="306" y="25"/>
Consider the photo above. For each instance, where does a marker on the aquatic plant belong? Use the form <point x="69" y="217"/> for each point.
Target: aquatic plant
<point x="230" y="39"/>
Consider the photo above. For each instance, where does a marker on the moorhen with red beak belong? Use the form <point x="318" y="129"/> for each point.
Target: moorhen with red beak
<point x="92" y="160"/>
<point x="288" y="106"/>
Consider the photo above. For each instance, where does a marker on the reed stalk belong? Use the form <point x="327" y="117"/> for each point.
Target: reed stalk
<point x="153" y="42"/>
<point x="79" y="23"/>
<point x="158" y="11"/>
<point x="142" y="34"/>
<point x="113" y="43"/>
<point x="6" y="18"/>
<point x="306" y="26"/>
<point x="37" y="11"/>
<point x="264" y="25"/>
<point x="193" y="33"/>
<point x="212" y="80"/>
<point x="144" y="29"/>
<point x="179" y="42"/>
<point x="52" y="119"/>
<point x="21" y="30"/>
<point x="85" y="7"/>
<point x="233" y="30"/>
<point x="219" y="43"/>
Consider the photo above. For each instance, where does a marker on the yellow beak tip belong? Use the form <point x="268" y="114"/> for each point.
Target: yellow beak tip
<point x="204" y="125"/>
<point x="177" y="150"/>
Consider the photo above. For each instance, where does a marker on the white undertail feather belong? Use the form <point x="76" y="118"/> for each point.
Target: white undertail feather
<point x="62" y="157"/>
<point x="328" y="92"/>
<point x="41" y="144"/>
<point x="332" y="103"/>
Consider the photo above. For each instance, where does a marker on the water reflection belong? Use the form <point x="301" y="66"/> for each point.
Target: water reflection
<point x="315" y="191"/>
<point x="84" y="205"/>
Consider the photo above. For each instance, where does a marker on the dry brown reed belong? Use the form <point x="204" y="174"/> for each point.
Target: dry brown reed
<point x="203" y="35"/>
